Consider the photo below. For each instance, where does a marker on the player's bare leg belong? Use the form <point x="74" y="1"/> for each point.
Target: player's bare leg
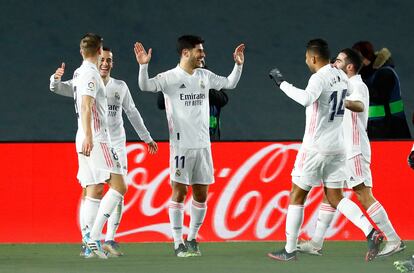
<point x="176" y="214"/>
<point x="197" y="215"/>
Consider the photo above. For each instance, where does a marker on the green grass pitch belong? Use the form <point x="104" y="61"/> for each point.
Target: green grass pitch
<point x="230" y="257"/>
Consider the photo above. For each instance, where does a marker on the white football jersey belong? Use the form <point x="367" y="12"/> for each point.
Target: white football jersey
<point x="186" y="102"/>
<point x="88" y="82"/>
<point x="323" y="98"/>
<point x="118" y="99"/>
<point x="355" y="124"/>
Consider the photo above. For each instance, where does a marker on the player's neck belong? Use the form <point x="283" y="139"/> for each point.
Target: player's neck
<point x="186" y="67"/>
<point x="319" y="65"/>
<point x="93" y="60"/>
<point x="106" y="79"/>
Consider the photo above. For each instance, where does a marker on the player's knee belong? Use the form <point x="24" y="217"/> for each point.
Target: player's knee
<point x="200" y="197"/>
<point x="297" y="197"/>
<point x="334" y="199"/>
<point x="179" y="194"/>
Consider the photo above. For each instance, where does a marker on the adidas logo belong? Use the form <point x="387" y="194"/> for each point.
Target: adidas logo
<point x="182" y="86"/>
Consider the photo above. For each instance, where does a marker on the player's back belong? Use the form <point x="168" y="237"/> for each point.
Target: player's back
<point x="324" y="117"/>
<point x="87" y="82"/>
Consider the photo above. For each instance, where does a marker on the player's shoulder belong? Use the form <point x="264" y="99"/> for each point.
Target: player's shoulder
<point x="359" y="84"/>
<point x="119" y="83"/>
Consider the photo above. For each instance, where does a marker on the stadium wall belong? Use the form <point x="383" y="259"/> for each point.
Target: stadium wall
<point x="248" y="201"/>
<point x="39" y="35"/>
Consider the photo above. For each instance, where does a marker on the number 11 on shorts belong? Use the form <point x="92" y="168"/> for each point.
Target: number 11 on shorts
<point x="177" y="161"/>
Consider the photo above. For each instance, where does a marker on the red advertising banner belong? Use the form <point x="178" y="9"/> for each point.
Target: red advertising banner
<point x="248" y="201"/>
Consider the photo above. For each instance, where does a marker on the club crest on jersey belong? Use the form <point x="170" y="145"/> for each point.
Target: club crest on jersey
<point x="177" y="173"/>
<point x="117" y="96"/>
<point x="202" y="85"/>
<point x="91" y="85"/>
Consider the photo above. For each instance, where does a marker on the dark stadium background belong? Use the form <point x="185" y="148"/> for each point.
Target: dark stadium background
<point x="36" y="36"/>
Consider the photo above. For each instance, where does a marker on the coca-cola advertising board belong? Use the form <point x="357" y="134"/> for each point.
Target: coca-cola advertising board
<point x="248" y="201"/>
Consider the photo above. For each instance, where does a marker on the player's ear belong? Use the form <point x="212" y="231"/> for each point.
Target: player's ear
<point x="185" y="52"/>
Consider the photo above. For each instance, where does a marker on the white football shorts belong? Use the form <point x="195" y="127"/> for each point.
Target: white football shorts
<point x="98" y="166"/>
<point x="191" y="166"/>
<point x="312" y="168"/>
<point x="358" y="172"/>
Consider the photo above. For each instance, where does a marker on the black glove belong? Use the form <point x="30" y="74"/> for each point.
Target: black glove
<point x="277" y="76"/>
<point x="411" y="160"/>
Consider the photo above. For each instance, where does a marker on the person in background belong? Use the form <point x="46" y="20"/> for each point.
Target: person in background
<point x="386" y="110"/>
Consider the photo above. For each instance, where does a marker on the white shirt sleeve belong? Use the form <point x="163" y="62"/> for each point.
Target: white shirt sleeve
<point x="87" y="85"/>
<point x="61" y="88"/>
<point x="134" y="117"/>
<point x="219" y="82"/>
<point x="304" y="97"/>
<point x="152" y="85"/>
<point x="358" y="94"/>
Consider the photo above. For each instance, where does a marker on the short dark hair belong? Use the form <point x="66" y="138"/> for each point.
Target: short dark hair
<point x="91" y="43"/>
<point x="353" y="57"/>
<point x="319" y="47"/>
<point x="105" y="48"/>
<point x="188" y="42"/>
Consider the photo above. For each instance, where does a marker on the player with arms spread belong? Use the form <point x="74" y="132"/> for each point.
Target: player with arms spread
<point x="322" y="155"/>
<point x="185" y="90"/>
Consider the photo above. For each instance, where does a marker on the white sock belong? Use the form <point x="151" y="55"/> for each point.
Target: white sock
<point x="176" y="213"/>
<point x="325" y="216"/>
<point x="354" y="214"/>
<point x="294" y="220"/>
<point x="81" y="218"/>
<point x="197" y="215"/>
<point x="113" y="221"/>
<point x="378" y="214"/>
<point x="108" y="204"/>
<point x="89" y="210"/>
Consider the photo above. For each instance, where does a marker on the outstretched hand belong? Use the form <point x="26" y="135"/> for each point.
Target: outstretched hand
<point x="276" y="76"/>
<point x="141" y="54"/>
<point x="238" y="54"/>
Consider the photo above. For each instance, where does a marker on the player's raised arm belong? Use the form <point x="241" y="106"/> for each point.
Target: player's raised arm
<point x="304" y="97"/>
<point x="57" y="86"/>
<point x="143" y="58"/>
<point x="218" y="82"/>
